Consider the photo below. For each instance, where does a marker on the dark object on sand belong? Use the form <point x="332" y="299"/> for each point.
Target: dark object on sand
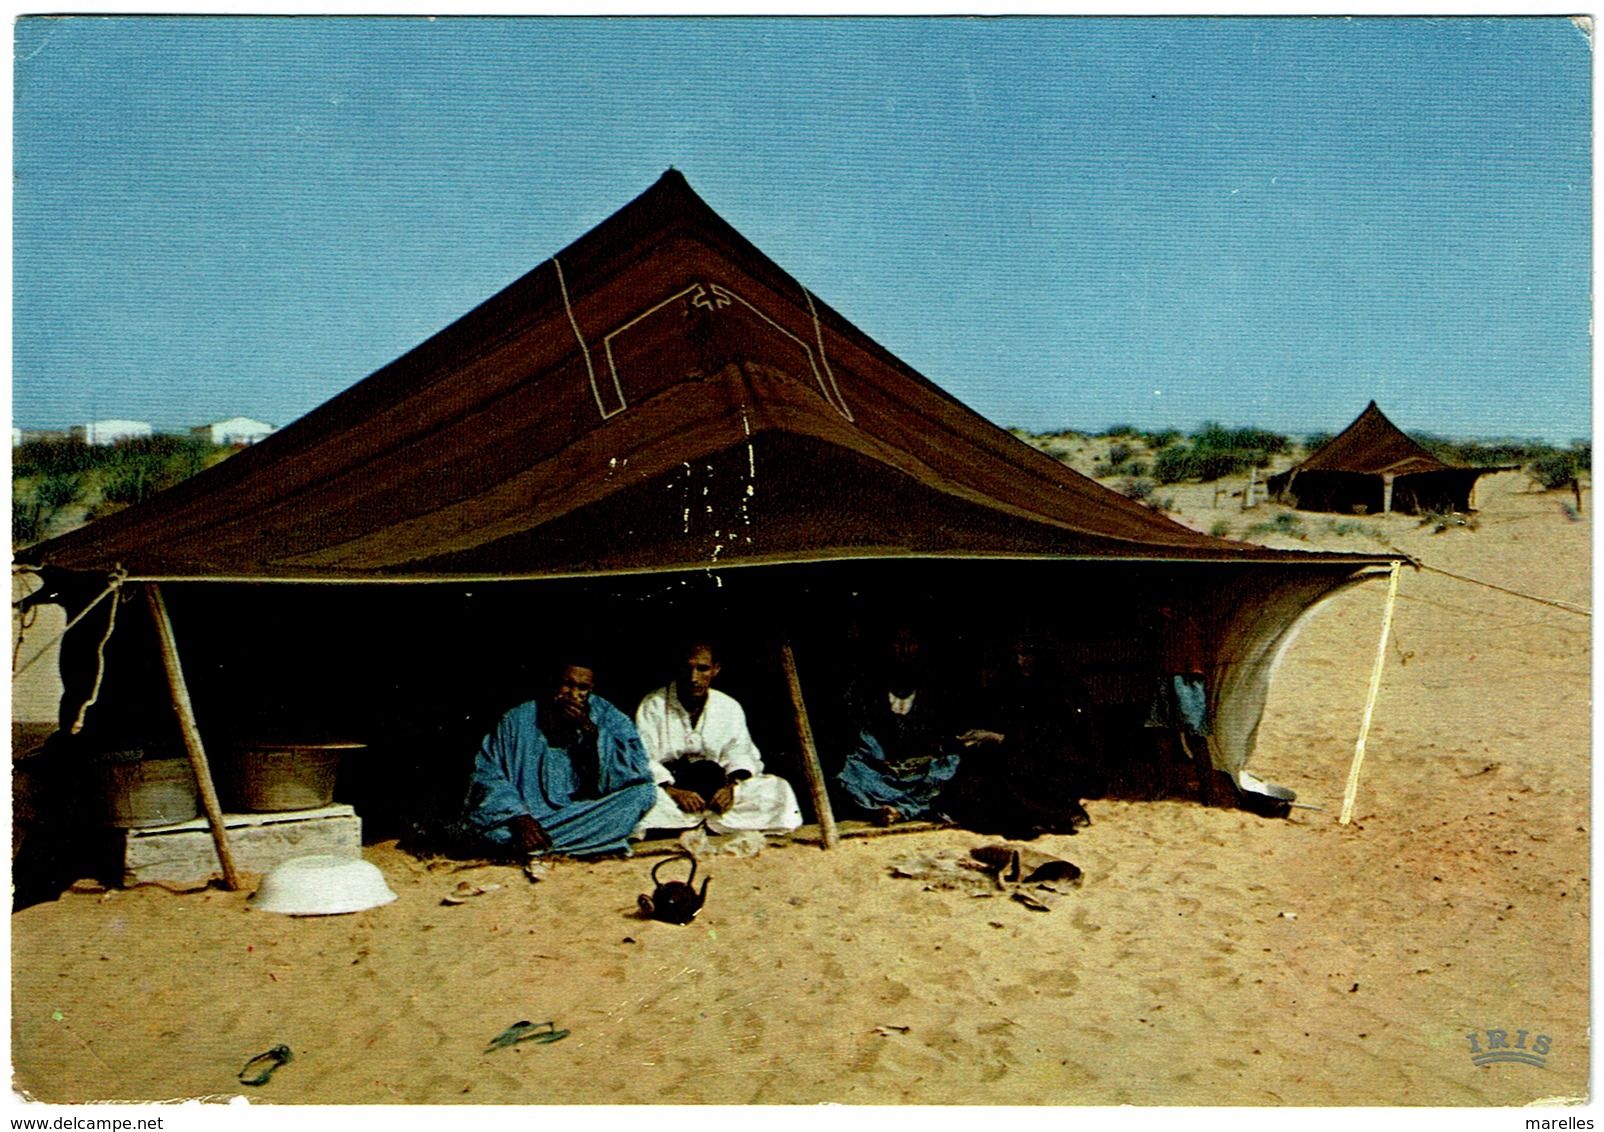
<point x="674" y="901"/>
<point x="1019" y="864"/>
<point x="542" y="1032"/>
<point x="259" y="1068"/>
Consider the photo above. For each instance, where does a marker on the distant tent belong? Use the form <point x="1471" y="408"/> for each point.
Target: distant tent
<point x="658" y="423"/>
<point x="1371" y="467"/>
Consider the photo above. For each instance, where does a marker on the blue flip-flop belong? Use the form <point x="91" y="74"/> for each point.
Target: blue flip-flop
<point x="542" y="1032"/>
<point x="259" y="1068"/>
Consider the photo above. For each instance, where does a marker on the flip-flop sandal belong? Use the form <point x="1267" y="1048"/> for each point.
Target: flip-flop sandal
<point x="259" y="1068"/>
<point x="541" y="1032"/>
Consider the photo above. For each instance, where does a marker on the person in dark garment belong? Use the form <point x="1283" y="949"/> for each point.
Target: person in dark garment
<point x="1026" y="770"/>
<point x="906" y="750"/>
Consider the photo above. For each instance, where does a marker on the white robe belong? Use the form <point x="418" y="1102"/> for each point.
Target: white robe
<point x="763" y="802"/>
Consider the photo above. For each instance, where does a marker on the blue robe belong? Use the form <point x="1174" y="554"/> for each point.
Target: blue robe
<point x="899" y="760"/>
<point x="518" y="771"/>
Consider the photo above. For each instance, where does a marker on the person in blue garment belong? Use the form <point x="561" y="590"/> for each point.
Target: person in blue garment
<point x="906" y="751"/>
<point x="564" y="775"/>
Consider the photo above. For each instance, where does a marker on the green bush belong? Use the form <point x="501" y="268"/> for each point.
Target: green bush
<point x="1137" y="488"/>
<point x="1342" y="528"/>
<point x="37" y="500"/>
<point x="52" y="457"/>
<point x="1217" y="438"/>
<point x="1556" y="469"/>
<point x="1220" y="529"/>
<point x="1440" y="521"/>
<point x="1316" y="441"/>
<point x="50" y="475"/>
<point x="1161" y="439"/>
<point x="1484" y="453"/>
<point x="1285" y="523"/>
<point x="1121" y="462"/>
<point x="1120" y="430"/>
<point x="1181" y="462"/>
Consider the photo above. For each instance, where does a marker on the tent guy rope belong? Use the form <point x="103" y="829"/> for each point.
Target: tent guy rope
<point x="1565" y="605"/>
<point x="113" y="583"/>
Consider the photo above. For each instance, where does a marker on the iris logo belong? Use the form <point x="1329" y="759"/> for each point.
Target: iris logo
<point x="1488" y="1046"/>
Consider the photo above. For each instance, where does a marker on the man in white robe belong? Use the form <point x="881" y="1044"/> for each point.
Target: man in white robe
<point x="704" y="762"/>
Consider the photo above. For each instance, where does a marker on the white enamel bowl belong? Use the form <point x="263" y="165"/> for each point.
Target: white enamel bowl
<point x="322" y="886"/>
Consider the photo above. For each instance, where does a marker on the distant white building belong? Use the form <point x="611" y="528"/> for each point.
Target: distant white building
<point x="110" y="432"/>
<point x="235" y="430"/>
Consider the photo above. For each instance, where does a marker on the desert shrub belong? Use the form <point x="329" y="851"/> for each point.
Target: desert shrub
<point x="139" y="468"/>
<point x="1215" y="451"/>
<point x="1161" y="439"/>
<point x="1120" y="462"/>
<point x="1285" y="523"/>
<point x="1484" y="453"/>
<point x="52" y="457"/>
<point x="1220" y="529"/>
<point x="1181" y="462"/>
<point x="1556" y="468"/>
<point x="37" y="500"/>
<point x="1217" y="438"/>
<point x="1173" y="464"/>
<point x="1211" y="464"/>
<point x="1159" y="503"/>
<point x="1342" y="528"/>
<point x="1440" y="521"/>
<point x="1120" y="431"/>
<point x="1137" y="487"/>
<point x="1316" y="441"/>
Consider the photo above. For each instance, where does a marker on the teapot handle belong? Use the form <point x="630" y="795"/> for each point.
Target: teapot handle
<point x="668" y="860"/>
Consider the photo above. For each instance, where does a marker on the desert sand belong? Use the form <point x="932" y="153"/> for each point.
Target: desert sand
<point x="1210" y="957"/>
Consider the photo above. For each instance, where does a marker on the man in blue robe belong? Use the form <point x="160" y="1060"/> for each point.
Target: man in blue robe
<point x="563" y="775"/>
<point x="906" y="749"/>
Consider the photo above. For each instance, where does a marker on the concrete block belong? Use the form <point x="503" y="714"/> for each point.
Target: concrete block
<point x="183" y="853"/>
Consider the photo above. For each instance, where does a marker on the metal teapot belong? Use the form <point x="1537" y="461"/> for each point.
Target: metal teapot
<point x="674" y="901"/>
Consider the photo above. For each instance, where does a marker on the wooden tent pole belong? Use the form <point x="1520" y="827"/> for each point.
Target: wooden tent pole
<point x="810" y="753"/>
<point x="192" y="738"/>
<point x="1370" y="698"/>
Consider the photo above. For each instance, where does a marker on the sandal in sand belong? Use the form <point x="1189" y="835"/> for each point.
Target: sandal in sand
<point x="259" y="1068"/>
<point x="542" y="1032"/>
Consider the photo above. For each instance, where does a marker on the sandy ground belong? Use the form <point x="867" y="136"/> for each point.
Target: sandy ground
<point x="1211" y="957"/>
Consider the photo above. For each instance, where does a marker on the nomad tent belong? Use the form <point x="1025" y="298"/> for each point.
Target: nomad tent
<point x="1372" y="467"/>
<point x="656" y="429"/>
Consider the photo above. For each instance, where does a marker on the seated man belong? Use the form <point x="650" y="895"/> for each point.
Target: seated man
<point x="1026" y="772"/>
<point x="704" y="762"/>
<point x="564" y="775"/>
<point x="905" y="752"/>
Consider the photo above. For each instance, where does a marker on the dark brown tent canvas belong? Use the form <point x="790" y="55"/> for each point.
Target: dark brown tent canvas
<point x="656" y="410"/>
<point x="1372" y="466"/>
<point x="659" y="395"/>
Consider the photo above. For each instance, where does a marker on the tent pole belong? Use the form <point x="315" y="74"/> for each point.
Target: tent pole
<point x="192" y="738"/>
<point x="1370" y="697"/>
<point x="1386" y="495"/>
<point x="810" y="753"/>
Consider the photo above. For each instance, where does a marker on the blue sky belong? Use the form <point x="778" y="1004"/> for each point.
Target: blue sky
<point x="1063" y="222"/>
